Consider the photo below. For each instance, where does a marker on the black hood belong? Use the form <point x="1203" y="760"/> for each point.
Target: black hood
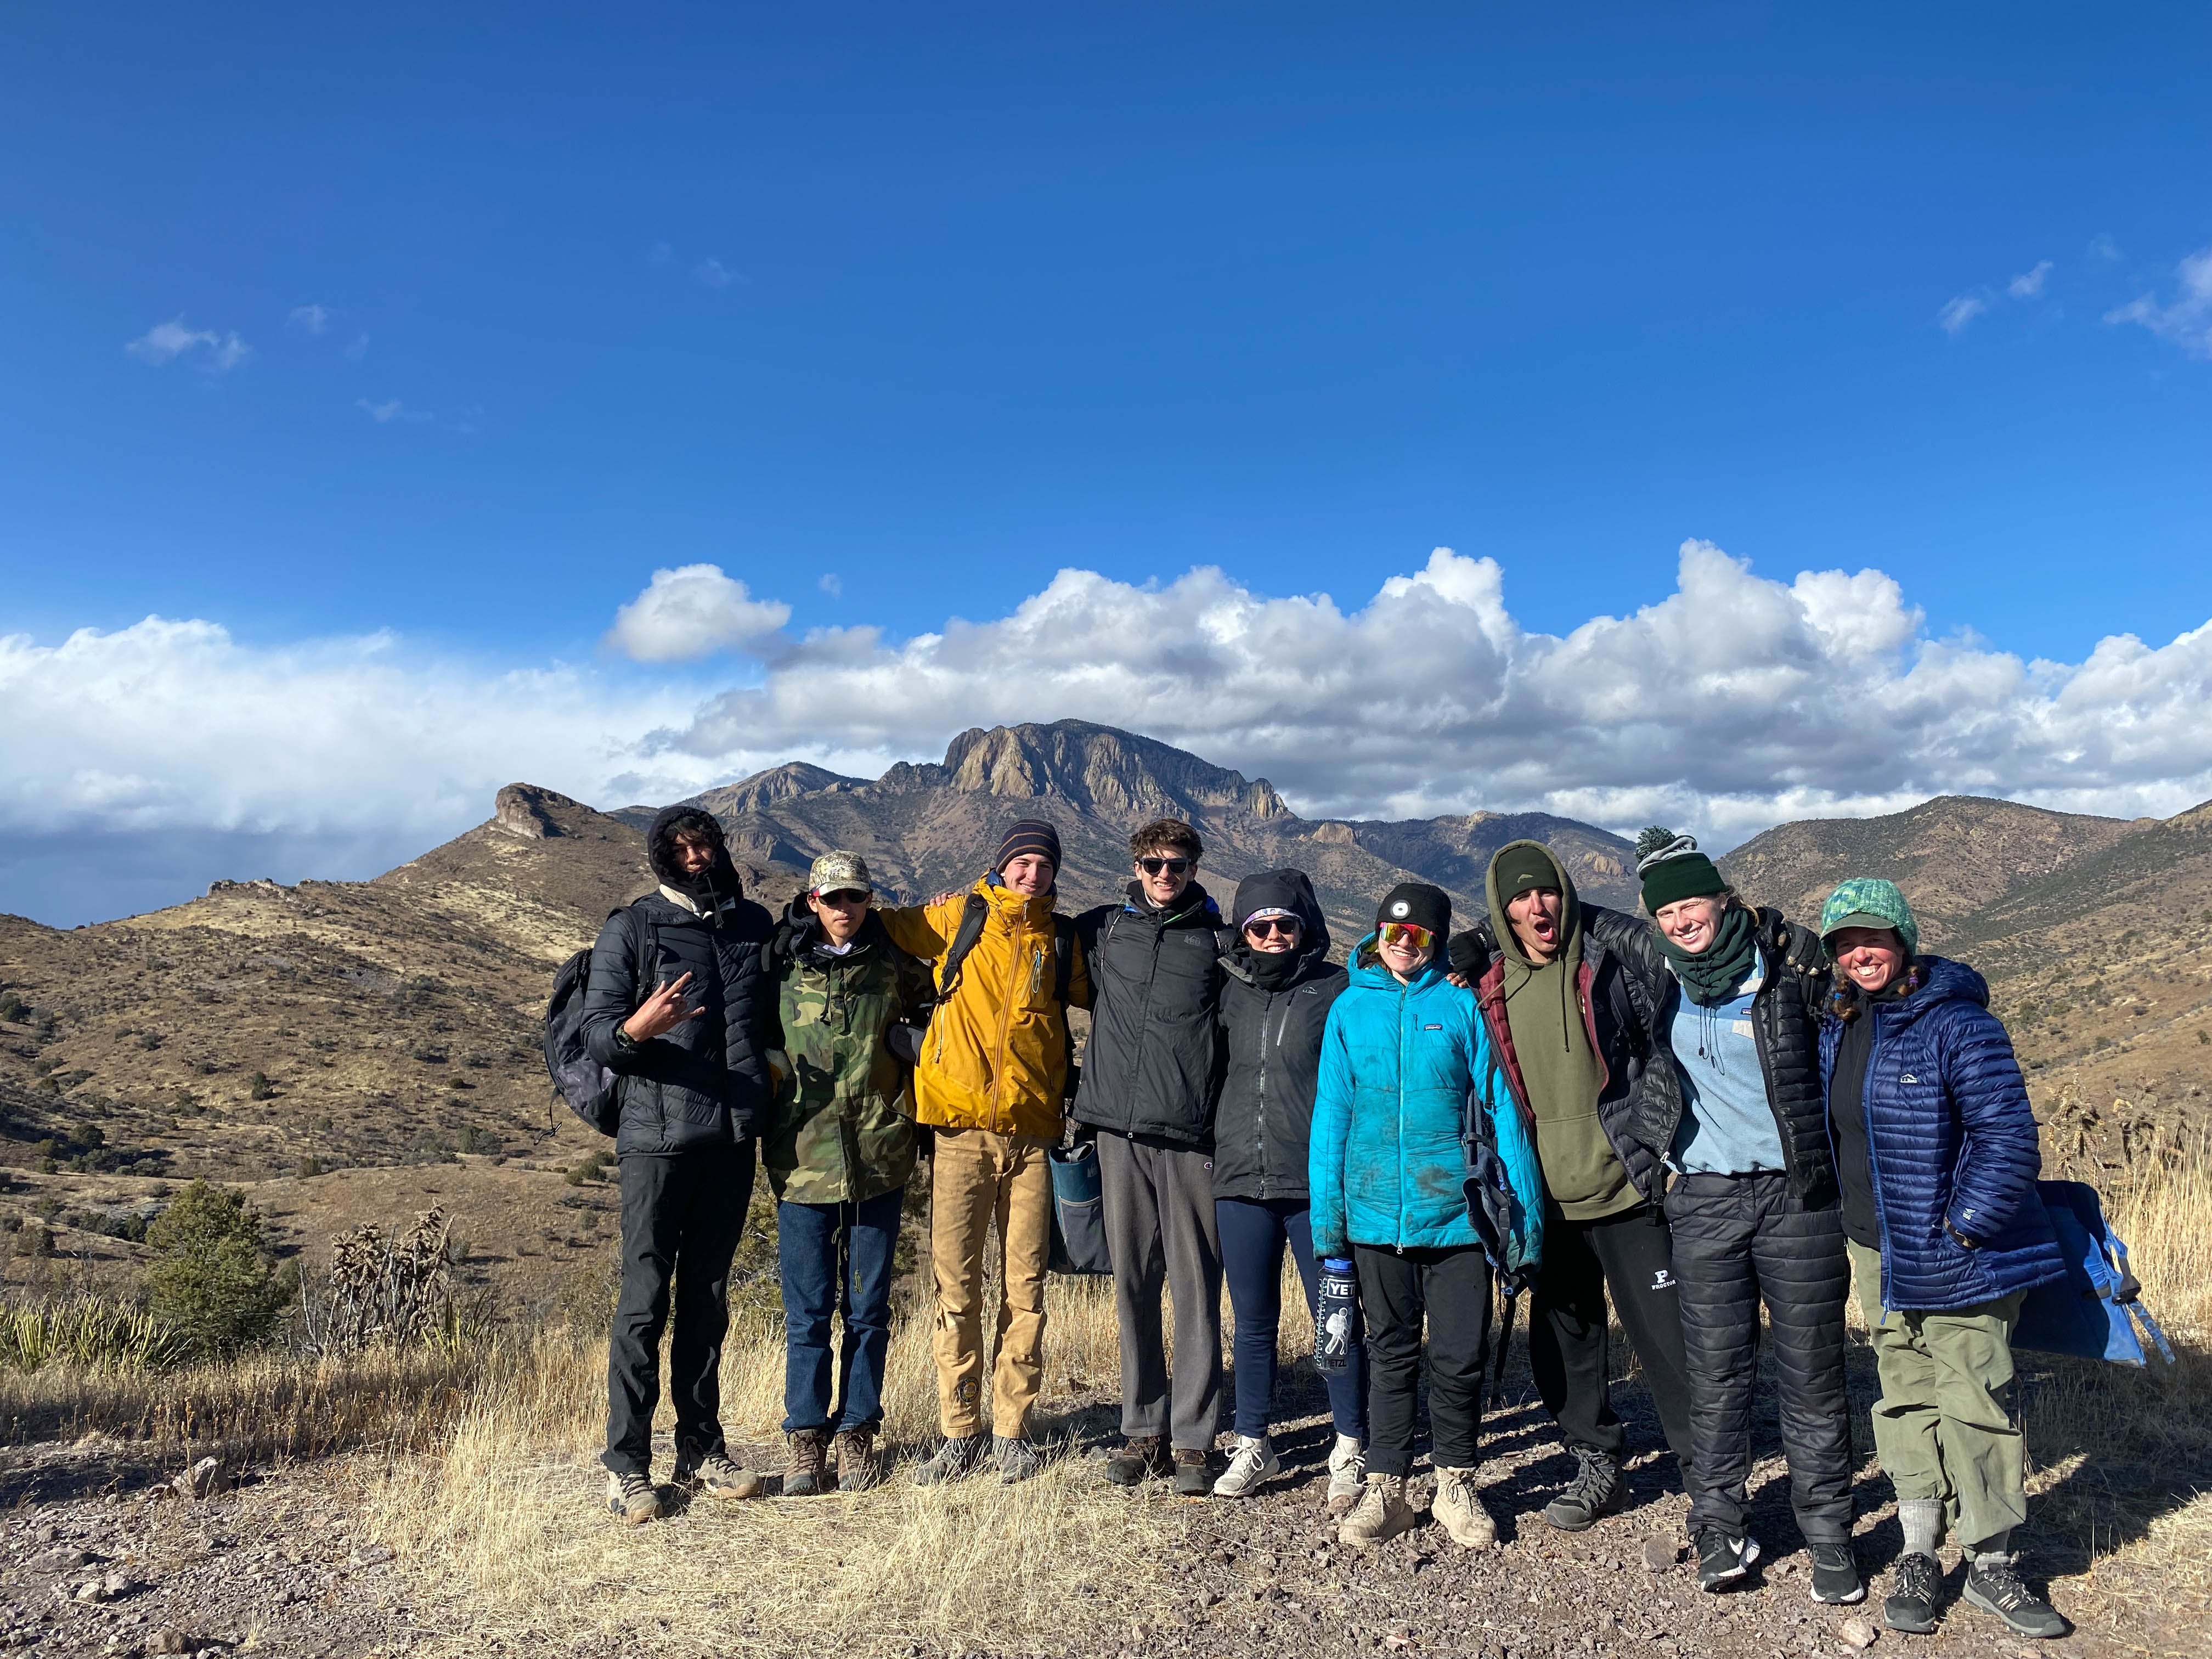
<point x="1281" y="890"/>
<point x="715" y="885"/>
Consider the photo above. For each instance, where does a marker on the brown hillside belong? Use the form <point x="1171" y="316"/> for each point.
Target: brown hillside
<point x="1955" y="856"/>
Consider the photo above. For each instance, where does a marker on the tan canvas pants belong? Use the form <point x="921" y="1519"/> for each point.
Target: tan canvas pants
<point x="978" y="1179"/>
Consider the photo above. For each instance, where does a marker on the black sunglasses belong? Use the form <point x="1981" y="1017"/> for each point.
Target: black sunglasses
<point x="1268" y="927"/>
<point x="843" y="896"/>
<point x="1173" y="867"/>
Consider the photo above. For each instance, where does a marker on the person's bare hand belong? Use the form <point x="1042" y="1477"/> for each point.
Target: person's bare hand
<point x="1460" y="980"/>
<point x="664" y="1011"/>
<point x="944" y="897"/>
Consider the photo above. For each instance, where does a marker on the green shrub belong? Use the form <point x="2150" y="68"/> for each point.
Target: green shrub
<point x="215" y="1281"/>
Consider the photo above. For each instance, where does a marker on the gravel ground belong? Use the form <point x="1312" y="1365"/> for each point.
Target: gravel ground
<point x="101" y="1554"/>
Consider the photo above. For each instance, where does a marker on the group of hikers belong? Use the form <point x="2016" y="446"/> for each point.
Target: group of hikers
<point x="1693" y="1116"/>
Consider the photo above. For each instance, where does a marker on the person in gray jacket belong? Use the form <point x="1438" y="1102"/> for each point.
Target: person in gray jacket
<point x="680" y="1006"/>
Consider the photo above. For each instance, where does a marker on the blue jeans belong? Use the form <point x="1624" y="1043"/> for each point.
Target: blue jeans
<point x="836" y="1258"/>
<point x="1253" y="1232"/>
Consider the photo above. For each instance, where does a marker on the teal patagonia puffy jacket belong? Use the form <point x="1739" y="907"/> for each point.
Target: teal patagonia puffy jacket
<point x="1401" y="1065"/>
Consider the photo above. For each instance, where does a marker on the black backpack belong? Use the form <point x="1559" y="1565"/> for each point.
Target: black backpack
<point x="593" y="1091"/>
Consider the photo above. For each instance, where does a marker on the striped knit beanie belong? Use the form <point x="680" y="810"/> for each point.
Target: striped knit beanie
<point x="1029" y="835"/>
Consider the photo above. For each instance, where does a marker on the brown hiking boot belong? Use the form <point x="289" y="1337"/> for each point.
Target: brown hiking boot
<point x="806" y="1471"/>
<point x="855" y="1452"/>
<point x="1140" y="1460"/>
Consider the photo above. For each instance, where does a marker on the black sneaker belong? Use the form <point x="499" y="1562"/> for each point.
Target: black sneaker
<point x="1139" y="1460"/>
<point x="1597" y="1489"/>
<point x="1835" y="1575"/>
<point x="1996" y="1588"/>
<point x="1915" y="1585"/>
<point x="954" y="1459"/>
<point x="1722" y="1559"/>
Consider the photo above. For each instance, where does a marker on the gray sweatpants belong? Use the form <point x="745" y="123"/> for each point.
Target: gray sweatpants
<point x="1159" y="1204"/>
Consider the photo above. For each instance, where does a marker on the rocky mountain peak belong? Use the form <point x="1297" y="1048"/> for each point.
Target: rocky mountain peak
<point x="1098" y="768"/>
<point x="532" y="812"/>
<point x="765" y="789"/>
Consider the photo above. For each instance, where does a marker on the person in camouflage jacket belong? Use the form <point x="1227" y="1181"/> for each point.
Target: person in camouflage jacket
<point x="839" y="1149"/>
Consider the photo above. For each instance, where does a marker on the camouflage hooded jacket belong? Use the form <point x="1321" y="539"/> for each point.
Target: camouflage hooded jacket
<point x="842" y="1129"/>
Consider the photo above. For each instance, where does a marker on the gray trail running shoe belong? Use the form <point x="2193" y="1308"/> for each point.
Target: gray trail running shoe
<point x="1193" y="1473"/>
<point x="1835" y="1575"/>
<point x="1017" y="1459"/>
<point x="1597" y="1489"/>
<point x="1139" y="1460"/>
<point x="718" y="1476"/>
<point x="1915" y="1585"/>
<point x="954" y="1460"/>
<point x="806" y="1471"/>
<point x="1722" y="1559"/>
<point x="855" y="1453"/>
<point x="1251" y="1467"/>
<point x="633" y="1499"/>
<point x="1994" y="1587"/>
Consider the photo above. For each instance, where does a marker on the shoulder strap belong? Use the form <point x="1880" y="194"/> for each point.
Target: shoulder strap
<point x="641" y="943"/>
<point x="973" y="915"/>
<point x="1063" y="955"/>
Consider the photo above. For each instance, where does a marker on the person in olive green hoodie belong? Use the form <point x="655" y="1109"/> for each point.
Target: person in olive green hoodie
<point x="839" y="1152"/>
<point x="1570" y="992"/>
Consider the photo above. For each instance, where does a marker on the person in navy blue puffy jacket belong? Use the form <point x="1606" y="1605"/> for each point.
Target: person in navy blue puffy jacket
<point x="1405" y="1068"/>
<point x="1936" y="1156"/>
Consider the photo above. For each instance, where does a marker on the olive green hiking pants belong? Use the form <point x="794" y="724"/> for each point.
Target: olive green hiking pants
<point x="1943" y="1427"/>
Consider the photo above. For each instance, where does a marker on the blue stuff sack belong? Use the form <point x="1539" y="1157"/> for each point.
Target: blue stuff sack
<point x="1078" y="1219"/>
<point x="2094" y="1312"/>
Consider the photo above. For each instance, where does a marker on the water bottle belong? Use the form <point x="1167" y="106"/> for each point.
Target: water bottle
<point x="1336" y="1317"/>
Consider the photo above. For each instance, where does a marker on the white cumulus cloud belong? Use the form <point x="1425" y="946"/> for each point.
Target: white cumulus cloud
<point x="2029" y="283"/>
<point x="313" y="318"/>
<point x="2187" y="322"/>
<point x="164" y="342"/>
<point x="1958" y="312"/>
<point x="693" y="611"/>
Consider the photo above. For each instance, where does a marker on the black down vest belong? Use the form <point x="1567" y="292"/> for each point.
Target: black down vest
<point x="1154" y="1056"/>
<point x="705" y="1082"/>
<point x="1785" y="1027"/>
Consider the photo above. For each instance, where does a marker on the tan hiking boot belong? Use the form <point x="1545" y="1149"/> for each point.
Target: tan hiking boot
<point x="855" y="1452"/>
<point x="1461" y="1510"/>
<point x="1382" y="1515"/>
<point x="806" y="1471"/>
<point x="718" y="1476"/>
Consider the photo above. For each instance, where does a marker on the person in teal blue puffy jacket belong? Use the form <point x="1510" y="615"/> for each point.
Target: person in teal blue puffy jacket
<point x="1411" y="1116"/>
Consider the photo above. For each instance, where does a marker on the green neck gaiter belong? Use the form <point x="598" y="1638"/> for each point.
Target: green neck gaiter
<point x="1715" y="972"/>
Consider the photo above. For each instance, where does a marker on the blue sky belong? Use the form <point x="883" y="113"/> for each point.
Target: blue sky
<point x="473" y="322"/>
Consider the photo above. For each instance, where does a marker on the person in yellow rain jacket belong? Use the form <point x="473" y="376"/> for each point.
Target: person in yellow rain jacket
<point x="990" y="1081"/>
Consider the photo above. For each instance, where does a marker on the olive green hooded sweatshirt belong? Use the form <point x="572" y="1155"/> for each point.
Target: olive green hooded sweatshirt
<point x="1558" y="1069"/>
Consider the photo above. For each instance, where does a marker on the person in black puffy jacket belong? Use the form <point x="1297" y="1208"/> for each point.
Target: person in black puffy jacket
<point x="1276" y="990"/>
<point x="679" y="1006"/>
<point x="1753" y="1211"/>
<point x="1937" y="1153"/>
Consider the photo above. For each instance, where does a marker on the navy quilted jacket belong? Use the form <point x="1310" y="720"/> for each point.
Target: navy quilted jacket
<point x="1951" y="1138"/>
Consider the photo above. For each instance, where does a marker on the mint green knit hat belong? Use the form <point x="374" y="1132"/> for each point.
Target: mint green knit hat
<point x="1870" y="901"/>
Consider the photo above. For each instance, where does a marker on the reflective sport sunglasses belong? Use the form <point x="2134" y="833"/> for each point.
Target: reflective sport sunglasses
<point x="1268" y="927"/>
<point x="1173" y="867"/>
<point x="1404" y="932"/>
<point x="843" y="896"/>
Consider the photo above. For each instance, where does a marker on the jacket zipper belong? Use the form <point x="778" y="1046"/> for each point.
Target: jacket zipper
<point x="1405" y="1064"/>
<point x="1260" y="1120"/>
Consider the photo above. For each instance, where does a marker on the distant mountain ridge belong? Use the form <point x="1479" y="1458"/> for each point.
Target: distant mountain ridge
<point x="933" y="826"/>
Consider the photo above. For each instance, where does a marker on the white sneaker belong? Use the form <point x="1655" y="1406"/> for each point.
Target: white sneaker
<point x="1347" y="1474"/>
<point x="1253" y="1466"/>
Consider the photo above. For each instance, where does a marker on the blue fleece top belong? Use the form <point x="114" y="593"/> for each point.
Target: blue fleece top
<point x="1728" y="1126"/>
<point x="1389" y="1164"/>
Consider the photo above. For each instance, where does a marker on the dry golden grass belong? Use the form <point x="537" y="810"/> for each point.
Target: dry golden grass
<point x="510" y="1522"/>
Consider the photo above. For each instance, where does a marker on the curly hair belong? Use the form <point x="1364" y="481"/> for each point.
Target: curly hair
<point x="1167" y="838"/>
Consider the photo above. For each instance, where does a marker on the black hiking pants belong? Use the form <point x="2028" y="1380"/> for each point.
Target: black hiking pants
<point x="1740" y="1240"/>
<point x="1629" y="1254"/>
<point x="1451" y="1287"/>
<point x="682" y="1215"/>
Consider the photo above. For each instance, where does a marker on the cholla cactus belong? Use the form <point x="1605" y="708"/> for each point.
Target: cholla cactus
<point x="381" y="1288"/>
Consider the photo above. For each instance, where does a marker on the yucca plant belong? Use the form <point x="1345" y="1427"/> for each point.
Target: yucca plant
<point x="93" y="1332"/>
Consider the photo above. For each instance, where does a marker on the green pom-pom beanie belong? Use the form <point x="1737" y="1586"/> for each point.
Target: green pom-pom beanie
<point x="1671" y="867"/>
<point x="1870" y="901"/>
